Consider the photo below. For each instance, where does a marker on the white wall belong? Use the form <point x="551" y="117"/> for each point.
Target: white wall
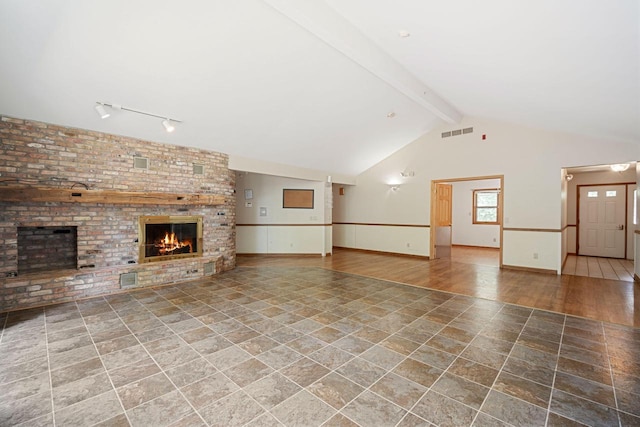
<point x="463" y="230"/>
<point x="281" y="231"/>
<point x="531" y="161"/>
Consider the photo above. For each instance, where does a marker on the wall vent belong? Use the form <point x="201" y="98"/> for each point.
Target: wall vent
<point x="198" y="169"/>
<point x="209" y="268"/>
<point x="140" y="163"/>
<point x="457" y="132"/>
<point x="128" y="280"/>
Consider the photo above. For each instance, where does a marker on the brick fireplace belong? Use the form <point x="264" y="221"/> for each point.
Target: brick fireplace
<point x="106" y="235"/>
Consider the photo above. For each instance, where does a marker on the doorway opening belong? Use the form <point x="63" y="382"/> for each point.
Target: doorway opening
<point x="467" y="219"/>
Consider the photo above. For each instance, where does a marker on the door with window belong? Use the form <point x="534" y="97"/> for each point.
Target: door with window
<point x="442" y="227"/>
<point x="602" y="219"/>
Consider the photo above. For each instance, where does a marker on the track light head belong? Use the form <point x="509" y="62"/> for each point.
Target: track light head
<point x="168" y="125"/>
<point x="102" y="112"/>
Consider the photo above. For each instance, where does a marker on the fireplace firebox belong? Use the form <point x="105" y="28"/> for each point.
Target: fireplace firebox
<point x="164" y="238"/>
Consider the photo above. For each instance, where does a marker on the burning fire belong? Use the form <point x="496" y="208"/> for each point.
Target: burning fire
<point x="171" y="244"/>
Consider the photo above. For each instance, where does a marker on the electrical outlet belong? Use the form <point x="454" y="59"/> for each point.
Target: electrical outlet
<point x="535" y="255"/>
<point x="408" y="245"/>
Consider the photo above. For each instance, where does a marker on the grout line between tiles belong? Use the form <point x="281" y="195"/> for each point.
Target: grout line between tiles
<point x="46" y="341"/>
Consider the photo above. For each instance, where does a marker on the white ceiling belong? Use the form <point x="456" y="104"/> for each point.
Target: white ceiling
<point x="309" y="82"/>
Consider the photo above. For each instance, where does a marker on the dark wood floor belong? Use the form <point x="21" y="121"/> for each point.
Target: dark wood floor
<point x="594" y="298"/>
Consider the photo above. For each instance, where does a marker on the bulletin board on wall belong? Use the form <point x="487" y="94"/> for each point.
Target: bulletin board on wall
<point x="297" y="199"/>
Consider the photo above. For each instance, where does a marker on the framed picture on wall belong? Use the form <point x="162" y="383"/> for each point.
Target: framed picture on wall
<point x="297" y="199"/>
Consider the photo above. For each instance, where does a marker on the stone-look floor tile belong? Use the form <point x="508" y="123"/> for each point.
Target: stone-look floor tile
<point x="70" y="343"/>
<point x="353" y="344"/>
<point x="248" y="371"/>
<point x="119" y="420"/>
<point x="190" y="372"/>
<point x="90" y="411"/>
<point x="474" y="371"/>
<point x="484" y="420"/>
<point x="523" y="389"/>
<point x="628" y="420"/>
<point x="77" y="391"/>
<point x="582" y="355"/>
<point x="76" y="371"/>
<point x="304" y="372"/>
<point x="628" y="402"/>
<point x="306" y="344"/>
<point x="492" y="344"/>
<point x="399" y="390"/>
<point x="400" y="345"/>
<point x="585" y="370"/>
<point x="211" y="345"/>
<point x="192" y="420"/>
<point x="241" y="334"/>
<point x="154" y="334"/>
<point x="484" y="356"/>
<point x="258" y="345"/>
<point x="555" y="420"/>
<point x="339" y="420"/>
<point x="160" y="412"/>
<point x="418" y="372"/>
<point x="43" y="421"/>
<point x="197" y="334"/>
<point x="584" y="388"/>
<point x="335" y="390"/>
<point x="284" y="335"/>
<point x="442" y="411"/>
<point x="176" y="357"/>
<point x="124" y="357"/>
<point x="331" y="357"/>
<point x="412" y="420"/>
<point x="116" y="344"/>
<point x="230" y="356"/>
<point x="234" y="410"/>
<point x="265" y="420"/>
<point x="25" y="387"/>
<point x="24" y="410"/>
<point x="272" y="390"/>
<point x="11" y="373"/>
<point x="303" y="409"/>
<point x="144" y="390"/>
<point x="460" y="389"/>
<point x="361" y="372"/>
<point x="279" y="357"/>
<point x="134" y="372"/>
<point x="208" y="390"/>
<point x="537" y="343"/>
<point x="433" y="357"/>
<point x="371" y="409"/>
<point x="372" y="335"/>
<point x="513" y="411"/>
<point x="328" y="334"/>
<point x="382" y="357"/>
<point x="170" y="342"/>
<point x="529" y="371"/>
<point x="537" y="357"/>
<point x="582" y="410"/>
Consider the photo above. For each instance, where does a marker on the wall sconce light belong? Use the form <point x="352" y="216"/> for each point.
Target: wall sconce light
<point x="168" y="123"/>
<point x="621" y="167"/>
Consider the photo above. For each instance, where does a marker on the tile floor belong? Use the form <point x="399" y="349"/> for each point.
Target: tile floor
<point x="304" y="346"/>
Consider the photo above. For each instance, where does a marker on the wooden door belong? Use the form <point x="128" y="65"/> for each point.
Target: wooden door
<point x="443" y="220"/>
<point x="602" y="219"/>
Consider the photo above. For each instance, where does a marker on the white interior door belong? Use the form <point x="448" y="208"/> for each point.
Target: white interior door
<point x="602" y="213"/>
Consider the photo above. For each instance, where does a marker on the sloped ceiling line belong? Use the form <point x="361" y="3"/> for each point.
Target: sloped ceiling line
<point x="326" y="24"/>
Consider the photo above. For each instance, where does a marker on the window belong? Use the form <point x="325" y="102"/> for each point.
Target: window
<point x="486" y="206"/>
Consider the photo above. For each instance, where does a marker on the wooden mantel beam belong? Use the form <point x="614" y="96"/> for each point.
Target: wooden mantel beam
<point x="64" y="195"/>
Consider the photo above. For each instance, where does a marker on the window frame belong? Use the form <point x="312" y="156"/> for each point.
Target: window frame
<point x="475" y="206"/>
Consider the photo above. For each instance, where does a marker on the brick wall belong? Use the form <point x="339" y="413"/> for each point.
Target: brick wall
<point x="46" y="155"/>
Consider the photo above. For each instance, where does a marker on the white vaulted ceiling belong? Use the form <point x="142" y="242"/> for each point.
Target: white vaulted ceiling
<point x="309" y="82"/>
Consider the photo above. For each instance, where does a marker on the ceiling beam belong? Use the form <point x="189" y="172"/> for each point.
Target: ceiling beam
<point x="318" y="18"/>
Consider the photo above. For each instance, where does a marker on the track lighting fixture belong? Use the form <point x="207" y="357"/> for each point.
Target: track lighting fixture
<point x="168" y="123"/>
<point x="168" y="126"/>
<point x="101" y="111"/>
